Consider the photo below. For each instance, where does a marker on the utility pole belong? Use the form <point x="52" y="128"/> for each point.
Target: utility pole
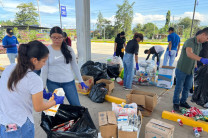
<point x="39" y="13"/>
<point x="193" y="18"/>
<point x="60" y="14"/>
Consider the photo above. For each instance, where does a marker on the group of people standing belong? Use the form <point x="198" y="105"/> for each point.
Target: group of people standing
<point x="22" y="89"/>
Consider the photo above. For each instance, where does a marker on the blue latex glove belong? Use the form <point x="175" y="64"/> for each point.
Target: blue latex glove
<point x="46" y="95"/>
<point x="169" y="53"/>
<point x="59" y="99"/>
<point x="137" y="66"/>
<point x="84" y="85"/>
<point x="157" y="63"/>
<point x="114" y="54"/>
<point x="195" y="69"/>
<point x="204" y="60"/>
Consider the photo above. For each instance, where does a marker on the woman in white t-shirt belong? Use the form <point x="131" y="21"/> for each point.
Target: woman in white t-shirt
<point x="21" y="89"/>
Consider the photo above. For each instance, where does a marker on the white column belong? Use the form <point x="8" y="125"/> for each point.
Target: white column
<point x="83" y="30"/>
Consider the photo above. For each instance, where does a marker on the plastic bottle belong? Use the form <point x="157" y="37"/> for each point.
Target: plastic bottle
<point x="180" y="122"/>
<point x="196" y="133"/>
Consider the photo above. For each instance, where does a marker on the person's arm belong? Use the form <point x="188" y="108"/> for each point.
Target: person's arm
<point x="124" y="44"/>
<point x="74" y="66"/>
<point x="169" y="45"/>
<point x="44" y="73"/>
<point x="191" y="55"/>
<point x="157" y="56"/>
<point x="38" y="103"/>
<point x="178" y="47"/>
<point x="136" y="58"/>
<point x="148" y="56"/>
<point x="115" y="46"/>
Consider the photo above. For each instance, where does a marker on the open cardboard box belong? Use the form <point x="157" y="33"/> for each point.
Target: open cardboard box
<point x="125" y="134"/>
<point x="89" y="81"/>
<point x="108" y="124"/>
<point x="147" y="100"/>
<point x="158" y="129"/>
<point x="109" y="85"/>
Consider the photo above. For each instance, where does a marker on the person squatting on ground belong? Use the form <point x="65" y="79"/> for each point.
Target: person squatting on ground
<point x="185" y="68"/>
<point x="10" y="42"/>
<point x="120" y="44"/>
<point x="21" y="90"/>
<point x="132" y="49"/>
<point x="173" y="47"/>
<point x="60" y="68"/>
<point x="67" y="39"/>
<point x="157" y="51"/>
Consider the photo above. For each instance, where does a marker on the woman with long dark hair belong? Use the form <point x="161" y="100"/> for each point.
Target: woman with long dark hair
<point x="61" y="66"/>
<point x="21" y="89"/>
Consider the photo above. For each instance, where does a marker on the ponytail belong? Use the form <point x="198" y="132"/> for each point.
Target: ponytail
<point x="33" y="49"/>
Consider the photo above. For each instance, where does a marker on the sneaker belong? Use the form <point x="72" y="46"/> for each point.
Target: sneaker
<point x="127" y="89"/>
<point x="185" y="105"/>
<point x="176" y="107"/>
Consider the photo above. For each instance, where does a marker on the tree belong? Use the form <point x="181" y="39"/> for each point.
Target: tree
<point x="138" y="28"/>
<point x="100" y="21"/>
<point x="8" y="23"/>
<point x="27" y="14"/>
<point x="149" y="30"/>
<point x="167" y="18"/>
<point x="124" y="17"/>
<point x="186" y="22"/>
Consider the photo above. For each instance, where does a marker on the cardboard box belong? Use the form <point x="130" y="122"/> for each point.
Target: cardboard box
<point x="125" y="134"/>
<point x="89" y="81"/>
<point x="158" y="129"/>
<point x="147" y="100"/>
<point x="108" y="124"/>
<point x="109" y="85"/>
<point x="166" y="77"/>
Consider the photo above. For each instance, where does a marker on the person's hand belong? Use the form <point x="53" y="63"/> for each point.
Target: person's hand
<point x="84" y="85"/>
<point x="46" y="95"/>
<point x="169" y="53"/>
<point x="137" y="66"/>
<point x="195" y="69"/>
<point x="59" y="99"/>
<point x="114" y="54"/>
<point x="204" y="60"/>
<point x="158" y="64"/>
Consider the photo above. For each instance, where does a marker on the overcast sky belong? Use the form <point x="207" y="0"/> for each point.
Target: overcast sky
<point x="144" y="11"/>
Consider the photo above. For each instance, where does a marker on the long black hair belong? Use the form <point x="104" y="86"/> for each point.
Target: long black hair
<point x="33" y="49"/>
<point x="64" y="48"/>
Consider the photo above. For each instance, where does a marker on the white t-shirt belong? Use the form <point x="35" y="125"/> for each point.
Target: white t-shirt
<point x="16" y="106"/>
<point x="57" y="70"/>
<point x="158" y="48"/>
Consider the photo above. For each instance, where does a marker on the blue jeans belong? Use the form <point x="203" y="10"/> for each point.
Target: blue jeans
<point x="128" y="70"/>
<point x="12" y="57"/>
<point x="170" y="58"/>
<point x="26" y="131"/>
<point x="159" y="55"/>
<point x="183" y="82"/>
<point x="69" y="89"/>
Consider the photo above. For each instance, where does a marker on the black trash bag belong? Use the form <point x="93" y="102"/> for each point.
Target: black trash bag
<point x="113" y="70"/>
<point x="200" y="95"/>
<point x="83" y="128"/>
<point x="97" y="70"/>
<point x="98" y="92"/>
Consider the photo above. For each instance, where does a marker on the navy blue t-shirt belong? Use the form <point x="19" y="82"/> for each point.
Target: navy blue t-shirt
<point x="175" y="40"/>
<point x="8" y="41"/>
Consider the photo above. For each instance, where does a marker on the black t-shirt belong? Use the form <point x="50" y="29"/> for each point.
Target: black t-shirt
<point x="120" y="42"/>
<point x="132" y="47"/>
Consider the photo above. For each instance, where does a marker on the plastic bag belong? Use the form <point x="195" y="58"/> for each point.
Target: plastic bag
<point x="83" y="128"/>
<point x="97" y="70"/>
<point x="121" y="75"/>
<point x="122" y="109"/>
<point x="200" y="95"/>
<point x="113" y="70"/>
<point x="114" y="60"/>
<point x="98" y="92"/>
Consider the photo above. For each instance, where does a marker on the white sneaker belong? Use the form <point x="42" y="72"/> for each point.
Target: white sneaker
<point x="127" y="89"/>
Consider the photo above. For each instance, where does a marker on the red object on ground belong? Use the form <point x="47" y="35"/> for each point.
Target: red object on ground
<point x="200" y="129"/>
<point x="180" y="122"/>
<point x="120" y="82"/>
<point x="172" y="111"/>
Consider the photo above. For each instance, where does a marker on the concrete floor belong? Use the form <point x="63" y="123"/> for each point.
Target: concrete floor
<point x="100" y="51"/>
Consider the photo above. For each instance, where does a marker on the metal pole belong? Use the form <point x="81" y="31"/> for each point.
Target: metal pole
<point x="193" y="18"/>
<point x="60" y="14"/>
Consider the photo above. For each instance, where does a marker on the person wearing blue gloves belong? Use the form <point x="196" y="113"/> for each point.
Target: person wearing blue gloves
<point x="185" y="68"/>
<point x="119" y="45"/>
<point x="60" y="68"/>
<point x="157" y="51"/>
<point x="21" y="90"/>
<point x="10" y="42"/>
<point x="173" y="47"/>
<point x="132" y="49"/>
